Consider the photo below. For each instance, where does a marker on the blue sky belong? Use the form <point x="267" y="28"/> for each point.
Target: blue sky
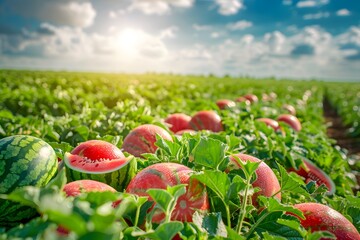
<point x="302" y="39"/>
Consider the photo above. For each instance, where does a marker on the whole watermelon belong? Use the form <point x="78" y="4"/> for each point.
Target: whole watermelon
<point x="24" y="161"/>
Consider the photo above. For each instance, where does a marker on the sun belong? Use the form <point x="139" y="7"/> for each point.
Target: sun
<point x="130" y="40"/>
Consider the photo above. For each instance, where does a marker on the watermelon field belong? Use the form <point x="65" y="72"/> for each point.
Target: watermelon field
<point x="164" y="156"/>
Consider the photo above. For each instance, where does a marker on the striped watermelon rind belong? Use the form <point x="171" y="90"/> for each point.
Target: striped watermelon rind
<point x="117" y="177"/>
<point x="24" y="161"/>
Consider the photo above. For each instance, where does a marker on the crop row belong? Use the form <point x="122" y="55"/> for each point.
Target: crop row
<point x="68" y="109"/>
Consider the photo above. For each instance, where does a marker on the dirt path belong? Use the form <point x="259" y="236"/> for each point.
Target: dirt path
<point x="338" y="131"/>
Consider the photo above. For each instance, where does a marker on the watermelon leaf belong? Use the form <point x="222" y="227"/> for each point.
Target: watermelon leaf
<point x="170" y="147"/>
<point x="273" y="205"/>
<point x="132" y="207"/>
<point x="268" y="222"/>
<point x="211" y="223"/>
<point x="217" y="181"/>
<point x="209" y="153"/>
<point x="290" y="182"/>
<point x="165" y="230"/>
<point x="28" y="196"/>
<point x="166" y="199"/>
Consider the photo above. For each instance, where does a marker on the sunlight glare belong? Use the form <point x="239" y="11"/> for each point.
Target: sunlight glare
<point x="130" y="39"/>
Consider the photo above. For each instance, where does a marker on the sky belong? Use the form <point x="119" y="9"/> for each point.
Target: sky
<point x="297" y="39"/>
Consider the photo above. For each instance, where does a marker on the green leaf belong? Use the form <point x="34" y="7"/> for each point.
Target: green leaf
<point x="162" y="198"/>
<point x="267" y="236"/>
<point x="166" y="199"/>
<point x="319" y="235"/>
<point x="211" y="223"/>
<point x="271" y="225"/>
<point x="97" y="236"/>
<point x="99" y="198"/>
<point x="170" y="147"/>
<point x="273" y="205"/>
<point x="354" y="213"/>
<point x="59" y="181"/>
<point x="72" y="222"/>
<point x="290" y="183"/>
<point x="237" y="185"/>
<point x="232" y="234"/>
<point x="353" y="200"/>
<point x="209" y="153"/>
<point x="191" y="231"/>
<point x="215" y="180"/>
<point x="83" y="131"/>
<point x="249" y="168"/>
<point x="164" y="231"/>
<point x="168" y="230"/>
<point x="28" y="196"/>
<point x="34" y="230"/>
<point x="6" y="114"/>
<point x="129" y="205"/>
<point x="177" y="190"/>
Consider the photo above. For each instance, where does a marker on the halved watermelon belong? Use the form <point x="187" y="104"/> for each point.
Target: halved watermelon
<point x="314" y="173"/>
<point x="101" y="161"/>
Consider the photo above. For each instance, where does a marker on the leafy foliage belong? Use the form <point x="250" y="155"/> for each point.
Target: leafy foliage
<point x="66" y="109"/>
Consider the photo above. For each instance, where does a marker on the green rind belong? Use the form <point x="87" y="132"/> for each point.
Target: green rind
<point x="118" y="179"/>
<point x="15" y="213"/>
<point x="24" y="161"/>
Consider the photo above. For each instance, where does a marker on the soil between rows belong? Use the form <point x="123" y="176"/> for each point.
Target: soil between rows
<point x="339" y="132"/>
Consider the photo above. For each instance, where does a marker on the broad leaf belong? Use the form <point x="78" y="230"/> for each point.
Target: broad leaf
<point x="290" y="183"/>
<point x="217" y="181"/>
<point x="209" y="153"/>
<point x="211" y="223"/>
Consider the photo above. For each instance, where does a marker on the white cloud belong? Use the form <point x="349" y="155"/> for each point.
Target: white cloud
<point x="247" y="39"/>
<point x="229" y="7"/>
<point x="309" y="52"/>
<point x="126" y="47"/>
<point x="149" y="8"/>
<point x="215" y="35"/>
<point x="168" y="32"/>
<point x="351" y="36"/>
<point x="287" y="2"/>
<point x="70" y="13"/>
<point x="112" y="14"/>
<point x="198" y="52"/>
<point x="311" y="3"/>
<point x="198" y="27"/>
<point x="318" y="15"/>
<point x="158" y="7"/>
<point x="343" y="12"/>
<point x="275" y="41"/>
<point x="303" y="4"/>
<point x="240" y="25"/>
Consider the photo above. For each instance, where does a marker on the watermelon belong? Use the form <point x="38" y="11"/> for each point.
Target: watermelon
<point x="84" y="186"/>
<point x="311" y="172"/>
<point x="161" y="175"/>
<point x="24" y="161"/>
<point x="100" y="161"/>
<point x="320" y="217"/>
<point x="265" y="177"/>
<point x="142" y="139"/>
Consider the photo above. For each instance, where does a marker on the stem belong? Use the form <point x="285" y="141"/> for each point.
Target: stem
<point x="243" y="209"/>
<point x="170" y="210"/>
<point x="137" y="216"/>
<point x="228" y="216"/>
<point x="276" y="192"/>
<point x="252" y="229"/>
